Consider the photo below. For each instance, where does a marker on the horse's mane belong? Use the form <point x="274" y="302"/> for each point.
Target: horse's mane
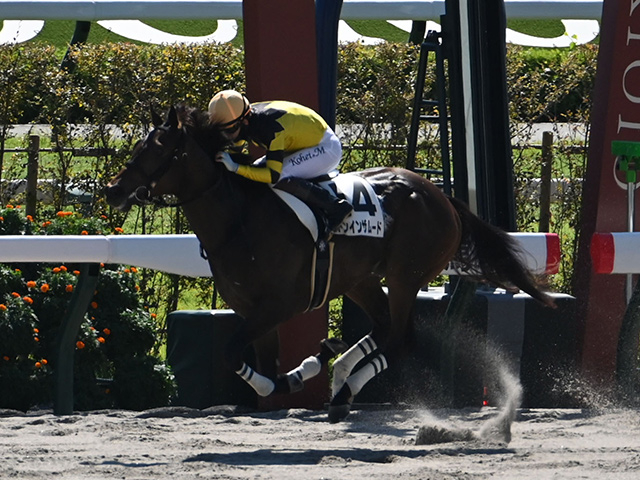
<point x="197" y="124"/>
<point x="209" y="138"/>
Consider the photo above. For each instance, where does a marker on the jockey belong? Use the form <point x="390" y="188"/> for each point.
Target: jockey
<point x="299" y="146"/>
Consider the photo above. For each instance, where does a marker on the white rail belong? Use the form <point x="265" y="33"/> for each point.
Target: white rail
<point x="232" y="9"/>
<point x="180" y="254"/>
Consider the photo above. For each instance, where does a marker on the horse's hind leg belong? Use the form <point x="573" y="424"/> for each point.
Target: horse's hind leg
<point x="391" y="316"/>
<point x="372" y="299"/>
<point x="288" y="383"/>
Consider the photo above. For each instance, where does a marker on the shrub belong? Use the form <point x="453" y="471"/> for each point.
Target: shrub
<point x="114" y="342"/>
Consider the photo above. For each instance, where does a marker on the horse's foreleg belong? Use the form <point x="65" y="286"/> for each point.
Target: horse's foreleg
<point x="246" y="335"/>
<point x="294" y="380"/>
<point x="261" y="384"/>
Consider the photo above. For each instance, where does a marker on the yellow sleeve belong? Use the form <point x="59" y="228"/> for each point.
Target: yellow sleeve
<point x="269" y="173"/>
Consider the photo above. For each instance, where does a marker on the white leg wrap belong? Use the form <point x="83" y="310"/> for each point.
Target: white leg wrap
<point x="343" y="366"/>
<point x="309" y="368"/>
<point x="261" y="384"/>
<point x="366" y="373"/>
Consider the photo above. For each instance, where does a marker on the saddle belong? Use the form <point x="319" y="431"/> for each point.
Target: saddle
<point x="367" y="219"/>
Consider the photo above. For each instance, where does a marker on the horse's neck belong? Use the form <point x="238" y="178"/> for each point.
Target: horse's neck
<point x="215" y="200"/>
<point x="216" y="215"/>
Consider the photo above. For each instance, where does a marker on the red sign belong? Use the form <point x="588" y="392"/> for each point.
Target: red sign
<point x="615" y="116"/>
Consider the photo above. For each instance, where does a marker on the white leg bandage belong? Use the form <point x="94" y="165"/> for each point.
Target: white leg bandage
<point x="309" y="368"/>
<point x="343" y="366"/>
<point x="261" y="384"/>
<point x="366" y="373"/>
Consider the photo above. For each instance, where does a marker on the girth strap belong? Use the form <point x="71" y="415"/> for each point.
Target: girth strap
<point x="321" y="269"/>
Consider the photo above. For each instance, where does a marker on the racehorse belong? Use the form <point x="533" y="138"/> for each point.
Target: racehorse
<point x="261" y="255"/>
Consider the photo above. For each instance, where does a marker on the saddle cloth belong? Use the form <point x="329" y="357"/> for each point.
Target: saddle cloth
<point x="367" y="218"/>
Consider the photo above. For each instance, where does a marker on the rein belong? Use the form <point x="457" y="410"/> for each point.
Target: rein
<point x="143" y="194"/>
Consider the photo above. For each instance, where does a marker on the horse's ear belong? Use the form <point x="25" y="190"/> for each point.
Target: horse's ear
<point x="155" y="118"/>
<point x="172" y="117"/>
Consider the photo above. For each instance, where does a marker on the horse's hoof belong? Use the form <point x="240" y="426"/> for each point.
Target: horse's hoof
<point x="340" y="405"/>
<point x="337" y="413"/>
<point x="334" y="345"/>
<point x="288" y="384"/>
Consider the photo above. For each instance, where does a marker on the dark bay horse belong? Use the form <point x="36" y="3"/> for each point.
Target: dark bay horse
<point x="261" y="255"/>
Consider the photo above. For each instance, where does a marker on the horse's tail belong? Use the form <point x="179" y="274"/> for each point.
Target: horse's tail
<point x="494" y="255"/>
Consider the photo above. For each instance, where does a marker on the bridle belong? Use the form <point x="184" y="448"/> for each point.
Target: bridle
<point x="142" y="194"/>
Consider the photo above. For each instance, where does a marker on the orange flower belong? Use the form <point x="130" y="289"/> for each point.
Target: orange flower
<point x="1" y="219"/>
<point x="30" y="218"/>
<point x="134" y="269"/>
<point x="44" y="361"/>
<point x="153" y="315"/>
<point x="36" y="330"/>
<point x="119" y="230"/>
<point x="15" y="294"/>
<point x="64" y="214"/>
<point x="68" y="288"/>
<point x="94" y="304"/>
<point x="38" y="365"/>
<point x="9" y="206"/>
<point x="84" y="232"/>
<point x="104" y="217"/>
<point x="80" y="344"/>
<point x="106" y="331"/>
<point x="46" y="224"/>
<point x="6" y="359"/>
<point x="56" y="270"/>
<point x="28" y="300"/>
<point x="37" y="339"/>
<point x="101" y="339"/>
<point x="31" y="284"/>
<point x="44" y="288"/>
<point x="63" y="268"/>
<point x="3" y="307"/>
<point x="76" y="272"/>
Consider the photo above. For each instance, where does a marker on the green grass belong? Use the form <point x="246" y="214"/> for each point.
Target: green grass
<point x="538" y="28"/>
<point x="60" y="32"/>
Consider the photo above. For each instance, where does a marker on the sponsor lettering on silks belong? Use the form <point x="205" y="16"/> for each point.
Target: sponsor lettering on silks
<point x="367" y="217"/>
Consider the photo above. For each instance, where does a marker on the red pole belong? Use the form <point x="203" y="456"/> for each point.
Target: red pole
<point x="615" y="116"/>
<point x="280" y="64"/>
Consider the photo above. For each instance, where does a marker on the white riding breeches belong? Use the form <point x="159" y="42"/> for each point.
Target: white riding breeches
<point x="314" y="161"/>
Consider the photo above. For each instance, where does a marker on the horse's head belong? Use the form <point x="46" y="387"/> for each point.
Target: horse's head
<point x="152" y="170"/>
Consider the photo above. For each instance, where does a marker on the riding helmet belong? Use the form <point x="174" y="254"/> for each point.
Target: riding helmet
<point x="228" y="107"/>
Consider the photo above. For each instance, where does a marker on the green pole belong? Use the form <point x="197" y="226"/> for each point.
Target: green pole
<point x="63" y="394"/>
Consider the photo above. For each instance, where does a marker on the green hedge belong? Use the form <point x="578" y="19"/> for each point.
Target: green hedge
<point x="116" y="83"/>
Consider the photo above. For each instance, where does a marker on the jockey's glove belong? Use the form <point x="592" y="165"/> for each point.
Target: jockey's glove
<point x="225" y="158"/>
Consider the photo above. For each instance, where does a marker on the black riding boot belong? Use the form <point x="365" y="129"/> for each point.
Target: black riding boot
<point x="334" y="209"/>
